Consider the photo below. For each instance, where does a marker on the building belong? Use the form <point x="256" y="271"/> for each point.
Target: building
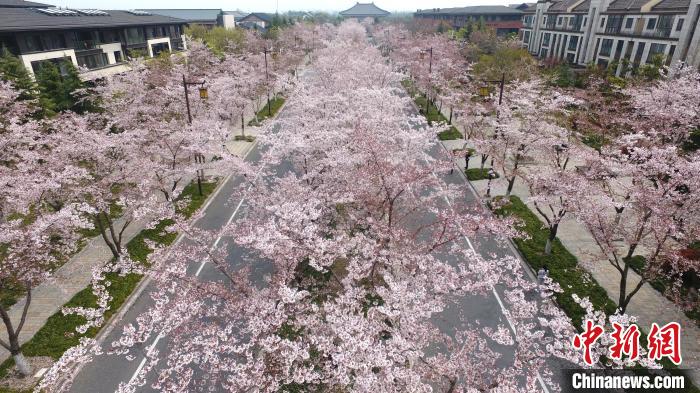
<point x="256" y="20"/>
<point x="361" y="11"/>
<point x="503" y="19"/>
<point x="620" y="33"/>
<point x="231" y="18"/>
<point x="205" y="17"/>
<point x="94" y="40"/>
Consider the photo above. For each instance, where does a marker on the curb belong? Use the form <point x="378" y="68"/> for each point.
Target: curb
<point x="143" y="284"/>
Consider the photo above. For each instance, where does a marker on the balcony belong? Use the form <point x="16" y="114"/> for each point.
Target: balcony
<point x="658" y="33"/>
<point x="612" y="29"/>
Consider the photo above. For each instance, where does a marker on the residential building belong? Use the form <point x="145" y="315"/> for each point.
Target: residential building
<point x="255" y="20"/>
<point x="205" y="17"/>
<point x="620" y="33"/>
<point x="94" y="40"/>
<point x="230" y="19"/>
<point x="362" y="11"/>
<point x="503" y="19"/>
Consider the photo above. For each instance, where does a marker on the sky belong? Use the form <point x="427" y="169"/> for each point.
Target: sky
<point x="271" y="5"/>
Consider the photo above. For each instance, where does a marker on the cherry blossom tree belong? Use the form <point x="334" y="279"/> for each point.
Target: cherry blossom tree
<point x="524" y="119"/>
<point x="362" y="246"/>
<point x="645" y="204"/>
<point x="37" y="226"/>
<point x="670" y="107"/>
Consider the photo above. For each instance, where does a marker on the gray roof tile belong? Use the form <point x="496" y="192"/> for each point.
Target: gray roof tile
<point x="190" y="15"/>
<point x="474" y="10"/>
<point x="28" y="19"/>
<point x="22" y="4"/>
<point x="364" y="9"/>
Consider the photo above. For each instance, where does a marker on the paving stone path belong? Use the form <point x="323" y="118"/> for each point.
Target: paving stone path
<point x="75" y="275"/>
<point x="648" y="305"/>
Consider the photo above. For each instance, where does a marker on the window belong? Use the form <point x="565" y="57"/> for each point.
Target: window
<point x="526" y="37"/>
<point x="33" y="43"/>
<point x="679" y="25"/>
<point x="628" y="23"/>
<point x="671" y="51"/>
<point x="651" y="24"/>
<point x="559" y="20"/>
<point x="573" y="41"/>
<point x="571" y="21"/>
<point x="640" y="52"/>
<point x="93" y="61"/>
<point x="134" y="35"/>
<point x="602" y="22"/>
<point x="118" y="56"/>
<point x="606" y="47"/>
<point x="545" y="41"/>
<point x="656" y="52"/>
<point x="56" y="41"/>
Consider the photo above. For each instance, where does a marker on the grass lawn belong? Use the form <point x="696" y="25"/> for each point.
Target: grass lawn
<point x="58" y="334"/>
<point x="275" y="105"/>
<point x="478" y="174"/>
<point x="595" y="141"/>
<point x="563" y="269"/>
<point x="433" y="115"/>
<point x="638" y="264"/>
<point x="563" y="266"/>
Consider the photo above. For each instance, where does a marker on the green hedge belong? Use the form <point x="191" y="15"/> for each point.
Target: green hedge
<point x="474" y="174"/>
<point x="563" y="266"/>
<point x="275" y="105"/>
<point x="433" y="115"/>
<point x="58" y="334"/>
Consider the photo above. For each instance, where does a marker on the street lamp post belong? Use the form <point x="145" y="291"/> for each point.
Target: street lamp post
<point x="267" y="82"/>
<point x="430" y="71"/>
<point x="492" y="175"/>
<point x="203" y="94"/>
<point x="484" y="90"/>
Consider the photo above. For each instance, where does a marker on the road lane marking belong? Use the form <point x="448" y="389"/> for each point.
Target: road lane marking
<point x="199" y="270"/>
<point x="493" y="290"/>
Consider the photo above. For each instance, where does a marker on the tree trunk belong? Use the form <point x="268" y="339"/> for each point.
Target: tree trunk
<point x="242" y="125"/>
<point x="484" y="157"/>
<point x="13" y="345"/>
<point x="511" y="182"/>
<point x="550" y="239"/>
<point x="622" y="302"/>
<point x="450" y="121"/>
<point x="22" y="364"/>
<point x="103" y="232"/>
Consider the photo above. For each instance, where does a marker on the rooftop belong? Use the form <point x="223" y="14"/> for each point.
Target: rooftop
<point x="21" y="4"/>
<point x="190" y="15"/>
<point x="637" y="5"/>
<point x="260" y="15"/>
<point x="473" y="10"/>
<point x="364" y="9"/>
<point x="565" y="5"/>
<point x="32" y="19"/>
<point x="237" y="14"/>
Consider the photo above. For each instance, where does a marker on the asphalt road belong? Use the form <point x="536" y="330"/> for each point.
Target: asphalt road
<point x="106" y="372"/>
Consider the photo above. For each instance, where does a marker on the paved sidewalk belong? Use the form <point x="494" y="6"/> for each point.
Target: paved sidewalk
<point x="648" y="305"/>
<point x="75" y="275"/>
